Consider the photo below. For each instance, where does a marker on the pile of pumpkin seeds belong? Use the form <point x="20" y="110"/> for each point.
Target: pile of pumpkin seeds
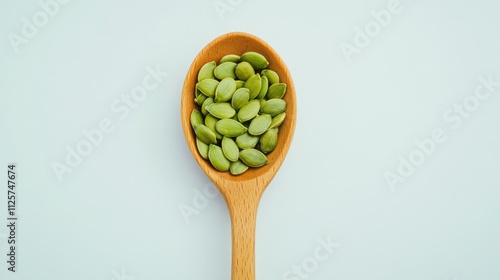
<point x="241" y="108"/>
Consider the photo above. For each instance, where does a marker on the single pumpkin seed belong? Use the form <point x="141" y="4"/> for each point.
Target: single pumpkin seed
<point x="230" y="149"/>
<point x="205" y="104"/>
<point x="225" y="90"/>
<point x="221" y="110"/>
<point x="207" y="87"/>
<point x="271" y="76"/>
<point x="225" y="70"/>
<point x="240" y="98"/>
<point x="249" y="111"/>
<point x="199" y="97"/>
<point x="230" y="128"/>
<point x="207" y="71"/>
<point x="245" y="141"/>
<point x="210" y="122"/>
<point x="196" y="118"/>
<point x="257" y="60"/>
<point x="264" y="87"/>
<point x="230" y="58"/>
<point x="244" y="70"/>
<point x="202" y="148"/>
<point x="217" y="158"/>
<point x="239" y="84"/>
<point x="260" y="124"/>
<point x="253" y="157"/>
<point x="205" y="134"/>
<point x="278" y="120"/>
<point x="269" y="140"/>
<point x="277" y="90"/>
<point x="237" y="167"/>
<point x="273" y="107"/>
<point x="253" y="84"/>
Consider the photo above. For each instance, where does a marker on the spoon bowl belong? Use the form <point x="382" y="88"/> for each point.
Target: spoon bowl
<point x="242" y="192"/>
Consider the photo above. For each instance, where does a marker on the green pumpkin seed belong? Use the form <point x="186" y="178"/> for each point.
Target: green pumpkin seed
<point x="273" y="107"/>
<point x="225" y="70"/>
<point x="263" y="88"/>
<point x="278" y="120"/>
<point x="269" y="140"/>
<point x="257" y="60"/>
<point x="196" y="118"/>
<point x="276" y="91"/>
<point x="225" y="90"/>
<point x="245" y="141"/>
<point x="217" y="158"/>
<point x="230" y="58"/>
<point x="244" y="71"/>
<point x="271" y="76"/>
<point x="239" y="84"/>
<point x="202" y="148"/>
<point x="260" y="124"/>
<point x="230" y="149"/>
<point x="207" y="87"/>
<point x="249" y="111"/>
<point x="221" y="110"/>
<point x="253" y="84"/>
<point x="205" y="104"/>
<point x="199" y="97"/>
<point x="230" y="128"/>
<point x="210" y="122"/>
<point x="237" y="167"/>
<point x="205" y="134"/>
<point x="207" y="71"/>
<point x="240" y="98"/>
<point x="253" y="157"/>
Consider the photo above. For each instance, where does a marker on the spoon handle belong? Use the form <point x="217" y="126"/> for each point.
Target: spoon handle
<point x="242" y="207"/>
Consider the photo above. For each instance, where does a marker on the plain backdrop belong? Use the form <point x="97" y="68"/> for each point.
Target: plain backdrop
<point x="137" y="206"/>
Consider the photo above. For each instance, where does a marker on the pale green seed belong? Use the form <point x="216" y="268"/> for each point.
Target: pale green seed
<point x="225" y="70"/>
<point x="257" y="60"/>
<point x="202" y="148"/>
<point x="207" y="71"/>
<point x="199" y="97"/>
<point x="225" y="90"/>
<point x="253" y="157"/>
<point x="196" y="118"/>
<point x="271" y="76"/>
<point x="260" y="124"/>
<point x="205" y="134"/>
<point x="230" y="58"/>
<point x="210" y="122"/>
<point x="240" y="98"/>
<point x="253" y="84"/>
<point x="273" y="107"/>
<point x="230" y="128"/>
<point x="269" y="140"/>
<point x="230" y="149"/>
<point x="277" y="90"/>
<point x="278" y="120"/>
<point x="244" y="70"/>
<point x="217" y="158"/>
<point x="249" y="111"/>
<point x="221" y="110"/>
<point x="239" y="84"/>
<point x="205" y="104"/>
<point x="237" y="167"/>
<point x="263" y="88"/>
<point x="262" y="102"/>
<point x="207" y="87"/>
<point x="245" y="141"/>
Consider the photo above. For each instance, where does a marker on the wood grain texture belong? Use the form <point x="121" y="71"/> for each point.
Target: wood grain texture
<point x="242" y="193"/>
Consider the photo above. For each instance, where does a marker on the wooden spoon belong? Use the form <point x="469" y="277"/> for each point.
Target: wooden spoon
<point x="241" y="193"/>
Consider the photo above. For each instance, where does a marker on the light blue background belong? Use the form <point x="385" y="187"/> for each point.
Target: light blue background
<point x="117" y="214"/>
